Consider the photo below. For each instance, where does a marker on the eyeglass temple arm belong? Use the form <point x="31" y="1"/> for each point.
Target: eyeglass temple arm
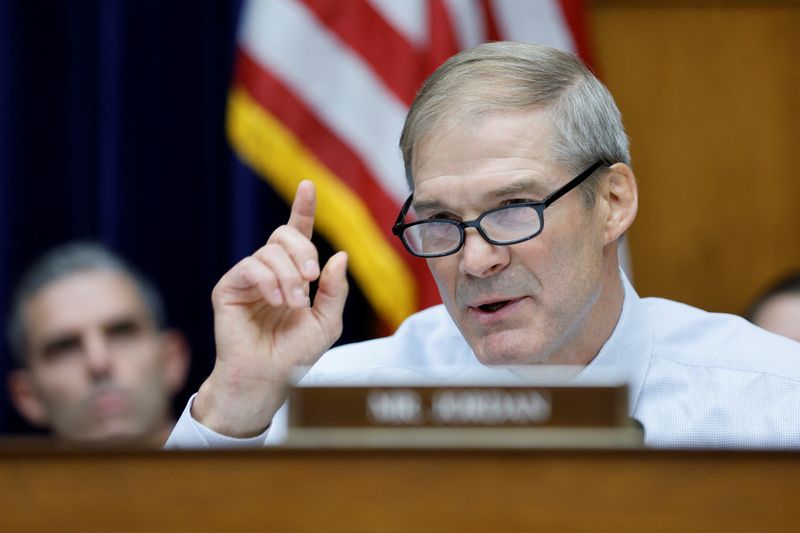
<point x="401" y="216"/>
<point x="574" y="182"/>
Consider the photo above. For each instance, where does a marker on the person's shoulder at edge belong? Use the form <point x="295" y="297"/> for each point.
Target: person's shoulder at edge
<point x="692" y="337"/>
<point x="715" y="380"/>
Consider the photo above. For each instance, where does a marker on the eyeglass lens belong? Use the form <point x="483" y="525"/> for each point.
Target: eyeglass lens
<point x="512" y="223"/>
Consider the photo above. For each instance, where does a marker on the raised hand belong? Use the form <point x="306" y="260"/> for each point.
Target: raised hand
<point x="265" y="324"/>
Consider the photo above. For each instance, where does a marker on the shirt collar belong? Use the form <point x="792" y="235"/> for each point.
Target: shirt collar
<point x="626" y="354"/>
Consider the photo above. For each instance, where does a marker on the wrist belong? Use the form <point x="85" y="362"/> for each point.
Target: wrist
<point x="239" y="408"/>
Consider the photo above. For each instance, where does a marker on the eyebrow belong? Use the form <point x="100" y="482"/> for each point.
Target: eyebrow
<point x="60" y="343"/>
<point x="528" y="185"/>
<point x="130" y="324"/>
<point x="71" y="339"/>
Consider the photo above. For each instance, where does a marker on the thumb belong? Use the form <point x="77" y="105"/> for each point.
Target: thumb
<point x="332" y="292"/>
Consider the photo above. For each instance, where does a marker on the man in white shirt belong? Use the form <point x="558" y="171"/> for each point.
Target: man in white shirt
<point x="500" y="140"/>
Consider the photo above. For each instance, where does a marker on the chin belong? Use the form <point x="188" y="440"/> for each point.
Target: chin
<point x="507" y="349"/>
<point x="117" y="430"/>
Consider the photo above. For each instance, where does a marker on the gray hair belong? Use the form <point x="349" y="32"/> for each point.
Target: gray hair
<point x="64" y="261"/>
<point x="504" y="76"/>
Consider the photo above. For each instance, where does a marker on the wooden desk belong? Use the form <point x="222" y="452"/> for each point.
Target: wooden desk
<point x="380" y="490"/>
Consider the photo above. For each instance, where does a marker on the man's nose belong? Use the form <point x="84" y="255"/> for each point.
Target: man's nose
<point x="98" y="354"/>
<point x="479" y="257"/>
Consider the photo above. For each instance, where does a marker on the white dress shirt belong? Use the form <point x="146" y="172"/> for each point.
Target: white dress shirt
<point x="696" y="379"/>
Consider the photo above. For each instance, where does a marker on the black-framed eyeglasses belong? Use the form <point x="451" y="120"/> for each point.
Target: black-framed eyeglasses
<point x="509" y="224"/>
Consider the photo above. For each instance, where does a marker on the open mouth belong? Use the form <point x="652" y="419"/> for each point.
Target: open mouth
<point x="493" y="306"/>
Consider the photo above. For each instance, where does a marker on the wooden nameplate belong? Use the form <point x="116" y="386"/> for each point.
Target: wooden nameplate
<point x="462" y="416"/>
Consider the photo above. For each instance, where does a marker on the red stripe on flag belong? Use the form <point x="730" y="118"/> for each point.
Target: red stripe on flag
<point x="442" y="38"/>
<point x="574" y="13"/>
<point x="393" y="58"/>
<point x="271" y="94"/>
<point x="490" y="22"/>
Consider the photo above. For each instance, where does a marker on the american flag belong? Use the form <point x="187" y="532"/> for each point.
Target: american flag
<point x="320" y="92"/>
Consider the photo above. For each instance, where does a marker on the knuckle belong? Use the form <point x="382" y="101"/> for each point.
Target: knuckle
<point x="270" y="252"/>
<point x="281" y="233"/>
<point x="216" y="293"/>
<point x="293" y="241"/>
<point x="292" y="278"/>
<point x="248" y="266"/>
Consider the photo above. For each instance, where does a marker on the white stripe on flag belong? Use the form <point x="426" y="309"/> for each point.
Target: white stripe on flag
<point x="468" y="22"/>
<point x="409" y="18"/>
<point x="534" y="22"/>
<point x="336" y="85"/>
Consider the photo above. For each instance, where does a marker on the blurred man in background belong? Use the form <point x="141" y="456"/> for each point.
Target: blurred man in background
<point x="778" y="309"/>
<point x="95" y="362"/>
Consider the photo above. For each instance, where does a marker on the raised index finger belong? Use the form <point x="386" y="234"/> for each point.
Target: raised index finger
<point x="303" y="207"/>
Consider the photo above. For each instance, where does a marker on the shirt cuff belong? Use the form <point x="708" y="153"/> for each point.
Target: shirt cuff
<point x="189" y="434"/>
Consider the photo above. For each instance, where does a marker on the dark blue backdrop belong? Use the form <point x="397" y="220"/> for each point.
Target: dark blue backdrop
<point x="112" y="128"/>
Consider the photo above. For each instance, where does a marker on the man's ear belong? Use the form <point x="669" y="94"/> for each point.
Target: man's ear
<point x="176" y="358"/>
<point x="26" y="399"/>
<point x="618" y="189"/>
